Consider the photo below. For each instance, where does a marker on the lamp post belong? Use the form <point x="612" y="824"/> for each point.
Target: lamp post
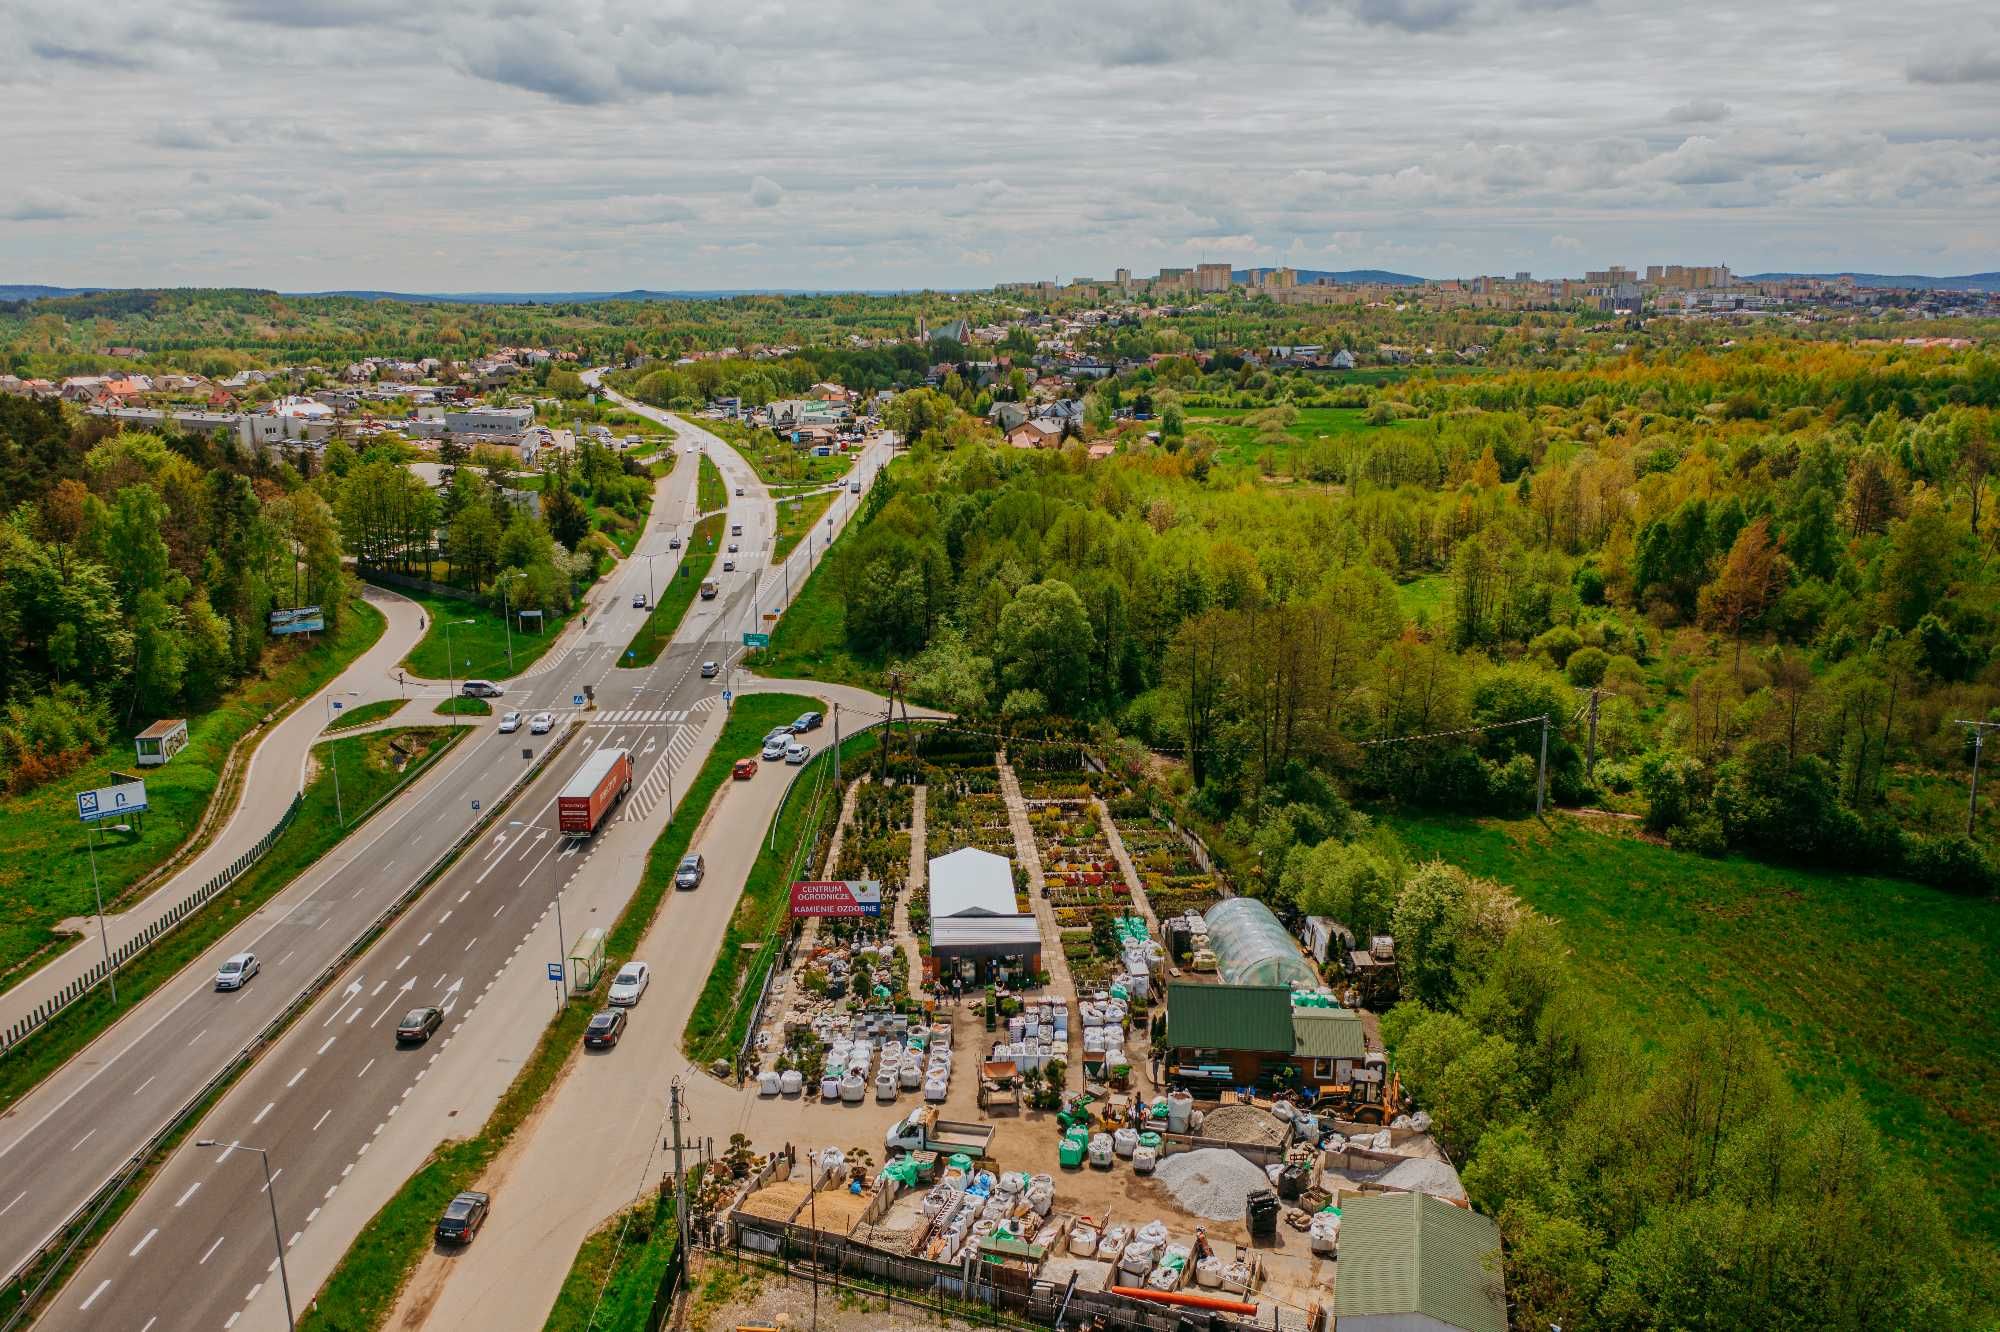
<point x="450" y="684"/>
<point x="277" y="1231"/>
<point x="333" y="707"/>
<point x="507" y="616"/>
<point x="649" y="578"/>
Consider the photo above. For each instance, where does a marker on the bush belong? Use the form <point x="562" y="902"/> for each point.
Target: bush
<point x="1701" y="834"/>
<point x="1558" y="644"/>
<point x="1586" y="666"/>
<point x="50" y="734"/>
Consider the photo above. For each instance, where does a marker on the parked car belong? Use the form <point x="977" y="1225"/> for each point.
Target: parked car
<point x="605" y="1028"/>
<point x="638" y="601"/>
<point x="775" y="746"/>
<point x="629" y="984"/>
<point x="797" y="753"/>
<point x="419" y="1025"/>
<point x="463" y="1216"/>
<point x="510" y="723"/>
<point x="691" y="869"/>
<point x="542" y="723"/>
<point x="481" y="689"/>
<point x="808" y="721"/>
<point x="710" y="669"/>
<point x="236" y="970"/>
<point x="745" y="769"/>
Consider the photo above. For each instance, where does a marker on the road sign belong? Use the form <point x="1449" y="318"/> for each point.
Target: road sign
<point x="338" y="705"/>
<point x="111" y="802"/>
<point x="555" y="972"/>
<point x="576" y="700"/>
<point x="756" y="640"/>
<point x="475" y="805"/>
<point x="301" y="620"/>
<point x="725" y="696"/>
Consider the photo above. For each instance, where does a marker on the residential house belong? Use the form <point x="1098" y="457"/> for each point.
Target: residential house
<point x="1103" y="448"/>
<point x="1006" y="415"/>
<point x="1342" y="360"/>
<point x="1411" y="1262"/>
<point x="1036" y="433"/>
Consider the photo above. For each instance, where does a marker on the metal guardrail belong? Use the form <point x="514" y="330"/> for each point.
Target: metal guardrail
<point x="79" y="1224"/>
<point x="139" y="943"/>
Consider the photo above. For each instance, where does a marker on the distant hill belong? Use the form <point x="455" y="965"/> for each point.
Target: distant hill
<point x="1347" y="276"/>
<point x="1917" y="281"/>
<point x="562" y="297"/>
<point x="29" y="291"/>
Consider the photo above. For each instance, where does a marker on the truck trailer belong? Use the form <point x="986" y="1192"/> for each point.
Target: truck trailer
<point x="599" y="784"/>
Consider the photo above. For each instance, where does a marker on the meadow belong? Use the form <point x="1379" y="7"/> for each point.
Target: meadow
<point x="1240" y="441"/>
<point x="1874" y="982"/>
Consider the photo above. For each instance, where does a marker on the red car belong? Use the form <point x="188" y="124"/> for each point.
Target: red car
<point x="746" y="768"/>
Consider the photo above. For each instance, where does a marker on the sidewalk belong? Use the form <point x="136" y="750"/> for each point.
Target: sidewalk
<point x="274" y="775"/>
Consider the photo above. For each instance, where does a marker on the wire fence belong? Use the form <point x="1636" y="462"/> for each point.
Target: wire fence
<point x="47" y="1010"/>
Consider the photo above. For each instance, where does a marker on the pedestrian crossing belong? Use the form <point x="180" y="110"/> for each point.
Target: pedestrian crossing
<point x="639" y="717"/>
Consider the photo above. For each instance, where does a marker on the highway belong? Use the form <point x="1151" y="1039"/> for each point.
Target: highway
<point x="196" y="1250"/>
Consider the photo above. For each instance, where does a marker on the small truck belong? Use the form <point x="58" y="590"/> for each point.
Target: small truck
<point x="922" y="1131"/>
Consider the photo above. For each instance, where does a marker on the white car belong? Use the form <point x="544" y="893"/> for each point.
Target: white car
<point x="630" y="983"/>
<point x="796" y="753"/>
<point x="235" y="971"/>
<point x="710" y="669"/>
<point x="542" y="723"/>
<point x="775" y="746"/>
<point x="510" y="723"/>
<point x="732" y="548"/>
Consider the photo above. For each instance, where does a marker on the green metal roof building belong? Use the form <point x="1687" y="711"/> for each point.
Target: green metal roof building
<point x="1413" y="1263"/>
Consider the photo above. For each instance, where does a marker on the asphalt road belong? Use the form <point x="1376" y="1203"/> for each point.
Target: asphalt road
<point x="197" y="1250"/>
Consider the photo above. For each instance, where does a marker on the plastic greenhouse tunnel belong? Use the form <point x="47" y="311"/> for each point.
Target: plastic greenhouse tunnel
<point x="1253" y="948"/>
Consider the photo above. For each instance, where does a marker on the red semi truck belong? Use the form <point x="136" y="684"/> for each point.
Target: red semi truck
<point x="599" y="784"/>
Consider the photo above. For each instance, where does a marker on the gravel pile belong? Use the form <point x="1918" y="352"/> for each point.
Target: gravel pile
<point x="1245" y="1124"/>
<point x="1211" y="1182"/>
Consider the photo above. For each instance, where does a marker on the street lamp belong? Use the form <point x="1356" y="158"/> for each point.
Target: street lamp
<point x="277" y="1232"/>
<point x="449" y="683"/>
<point x="507" y="616"/>
<point x="333" y="754"/>
<point x="649" y="577"/>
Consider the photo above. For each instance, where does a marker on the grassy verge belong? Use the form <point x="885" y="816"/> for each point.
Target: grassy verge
<point x="461" y="706"/>
<point x="479" y="647"/>
<point x="44" y="858"/>
<point x="363" y="1289"/>
<point x="795" y="519"/>
<point x="367" y="779"/>
<point x="367" y="714"/>
<point x="776" y="461"/>
<point x="710" y="493"/>
<point x="679" y="593"/>
<point x="722" y="1012"/>
<point x="617" y="1271"/>
<point x="810" y="641"/>
<point x="1805" y="954"/>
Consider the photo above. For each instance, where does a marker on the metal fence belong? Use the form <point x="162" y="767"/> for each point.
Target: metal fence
<point x="143" y="940"/>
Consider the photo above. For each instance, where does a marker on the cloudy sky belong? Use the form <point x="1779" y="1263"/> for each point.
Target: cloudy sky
<point x="456" y="145"/>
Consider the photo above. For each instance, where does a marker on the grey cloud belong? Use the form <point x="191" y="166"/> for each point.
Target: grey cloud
<point x="91" y="57"/>
<point x="765" y="192"/>
<point x="1702" y="110"/>
<point x="1957" y="67"/>
<point x="595" y="72"/>
<point x="45" y="205"/>
<point x="314" y="13"/>
<point x="1413" y="15"/>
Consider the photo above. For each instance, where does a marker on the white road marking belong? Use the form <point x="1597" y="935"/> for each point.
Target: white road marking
<point x="227" y="1150"/>
<point x="272" y="1180"/>
<point x="312" y="1216"/>
<point x="92" y="1297"/>
<point x="364" y="1069"/>
<point x="10" y="1206"/>
<point x="143" y="1243"/>
<point x="294" y="1239"/>
<point x="321" y="1120"/>
<point x="445" y="917"/>
<point x="379" y="987"/>
<point x="147" y="1083"/>
<point x="329" y="1044"/>
<point x="426" y="939"/>
<point x="189" y="1194"/>
<point x="261" y="1113"/>
<point x="85" y="1138"/>
<point x="231" y="1321"/>
<point x="211" y="1249"/>
<point x="467" y="893"/>
<point x="295" y="1078"/>
<point x="198" y="1035"/>
<point x="404" y="963"/>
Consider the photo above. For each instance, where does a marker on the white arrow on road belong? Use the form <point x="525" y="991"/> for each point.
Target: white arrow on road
<point x="396" y="1000"/>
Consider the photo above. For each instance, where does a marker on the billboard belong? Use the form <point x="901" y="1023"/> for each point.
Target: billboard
<point x="115" y="802"/>
<point x="837" y="897"/>
<point x="302" y="620"/>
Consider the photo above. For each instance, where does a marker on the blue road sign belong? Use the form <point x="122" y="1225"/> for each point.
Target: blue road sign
<point x="576" y="700"/>
<point x="338" y="705"/>
<point x="725" y="696"/>
<point x="475" y="804"/>
<point x="555" y="972"/>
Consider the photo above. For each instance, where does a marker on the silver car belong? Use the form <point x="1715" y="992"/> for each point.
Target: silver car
<point x="235" y="971"/>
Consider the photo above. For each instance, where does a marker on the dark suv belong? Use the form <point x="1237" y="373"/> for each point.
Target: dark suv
<point x="463" y="1216"/>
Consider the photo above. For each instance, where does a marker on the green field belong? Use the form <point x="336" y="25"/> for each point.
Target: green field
<point x="1239" y="441"/>
<point x="711" y="495"/>
<point x="371" y="769"/>
<point x="618" y="1270"/>
<point x="795" y="519"/>
<point x="366" y="714"/>
<point x="44" y="856"/>
<point x="674" y="599"/>
<point x="1875" y="982"/>
<point x="1422" y="599"/>
<point x="810" y="641"/>
<point x="479" y="647"/>
<point x="776" y="461"/>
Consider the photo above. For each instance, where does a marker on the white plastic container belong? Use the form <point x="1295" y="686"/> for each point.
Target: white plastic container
<point x="1145" y="1159"/>
<point x="767" y="1082"/>
<point x="1138" y="1258"/>
<point x="1324" y="1233"/>
<point x="885" y="1085"/>
<point x="1101" y="1150"/>
<point x="829" y="1087"/>
<point x="791" y="1082"/>
<point x="1124" y="1141"/>
<point x="936" y="1089"/>
<point x="852" y="1088"/>
<point x="1083" y="1240"/>
<point x="910" y="1076"/>
<point x="1113" y="1243"/>
<point x="1208" y="1273"/>
<point x="1179" y="1106"/>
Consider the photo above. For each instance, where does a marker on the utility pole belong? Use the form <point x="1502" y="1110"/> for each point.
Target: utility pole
<point x="680" y="1173"/>
<point x="1590" y="757"/>
<point x="1542" y="770"/>
<point x="103" y="936"/>
<point x="1979" y="730"/>
<point x="836" y="745"/>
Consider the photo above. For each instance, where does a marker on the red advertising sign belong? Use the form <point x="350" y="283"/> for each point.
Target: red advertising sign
<point x="837" y="897"/>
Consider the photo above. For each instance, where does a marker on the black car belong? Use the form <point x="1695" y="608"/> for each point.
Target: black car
<point x="605" y="1028"/>
<point x="808" y="721"/>
<point x="419" y="1024"/>
<point x="463" y="1216"/>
